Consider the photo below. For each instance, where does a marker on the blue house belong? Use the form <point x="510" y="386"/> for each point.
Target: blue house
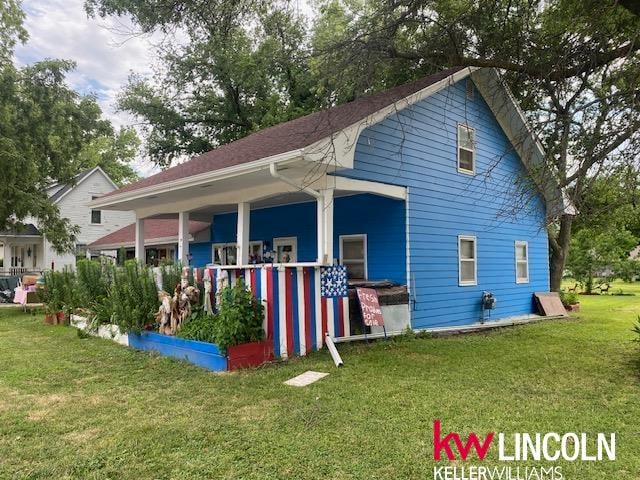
<point x="437" y="186"/>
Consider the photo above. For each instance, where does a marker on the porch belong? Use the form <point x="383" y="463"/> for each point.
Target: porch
<point x="21" y="253"/>
<point x="296" y="244"/>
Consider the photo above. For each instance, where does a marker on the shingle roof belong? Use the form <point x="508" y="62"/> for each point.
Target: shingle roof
<point x="288" y="136"/>
<point x="68" y="186"/>
<point x="154" y="228"/>
<point x="27" y="229"/>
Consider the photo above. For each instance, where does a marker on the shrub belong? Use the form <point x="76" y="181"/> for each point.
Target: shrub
<point x="134" y="297"/>
<point x="199" y="327"/>
<point x="93" y="284"/>
<point x="171" y="275"/>
<point x="569" y="298"/>
<point x="58" y="291"/>
<point x="239" y="317"/>
<point x="636" y="328"/>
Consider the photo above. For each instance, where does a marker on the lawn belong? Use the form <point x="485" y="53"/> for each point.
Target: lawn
<point x="88" y="408"/>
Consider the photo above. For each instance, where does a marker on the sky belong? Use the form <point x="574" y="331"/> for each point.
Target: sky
<point x="105" y="56"/>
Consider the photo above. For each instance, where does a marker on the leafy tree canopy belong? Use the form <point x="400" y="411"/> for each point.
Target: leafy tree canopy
<point x="48" y="133"/>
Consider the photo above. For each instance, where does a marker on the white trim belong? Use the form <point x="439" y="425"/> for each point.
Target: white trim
<point x="91" y="172"/>
<point x="408" y="258"/>
<point x="520" y="243"/>
<point x="473" y="282"/>
<point x="382" y="189"/>
<point x="285" y="241"/>
<point x="473" y="151"/>
<point x="362" y="236"/>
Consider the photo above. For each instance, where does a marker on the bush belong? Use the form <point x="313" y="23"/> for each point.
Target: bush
<point x="569" y="298"/>
<point x="171" y="276"/>
<point x="199" y="327"/>
<point x="636" y="328"/>
<point x="93" y="285"/>
<point x="58" y="291"/>
<point x="134" y="297"/>
<point x="239" y="318"/>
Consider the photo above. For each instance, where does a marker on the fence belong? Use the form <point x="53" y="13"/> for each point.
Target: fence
<point x="302" y="304"/>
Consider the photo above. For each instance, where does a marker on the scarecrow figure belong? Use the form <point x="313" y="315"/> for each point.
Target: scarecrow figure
<point x="174" y="311"/>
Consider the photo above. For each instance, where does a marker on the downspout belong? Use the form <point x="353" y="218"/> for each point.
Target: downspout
<point x="273" y="170"/>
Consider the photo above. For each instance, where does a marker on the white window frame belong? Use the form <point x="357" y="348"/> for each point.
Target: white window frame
<point x="473" y="152"/>
<point x="468" y="283"/>
<point x="233" y="245"/>
<point x="520" y="243"/>
<point x="363" y="236"/>
<point x="91" y="214"/>
<point x="284" y="241"/>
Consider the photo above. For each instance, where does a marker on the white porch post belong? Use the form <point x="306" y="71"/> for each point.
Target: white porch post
<point x="327" y="210"/>
<point x="183" y="238"/>
<point x="320" y="222"/>
<point x="140" y="256"/>
<point x="242" y="237"/>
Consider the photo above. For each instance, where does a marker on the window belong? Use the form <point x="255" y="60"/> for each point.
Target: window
<point x="353" y="255"/>
<point x="467" y="262"/>
<point x="96" y="215"/>
<point x="286" y="249"/>
<point x="466" y="149"/>
<point x="225" y="253"/>
<point x="522" y="262"/>
<point x="469" y="90"/>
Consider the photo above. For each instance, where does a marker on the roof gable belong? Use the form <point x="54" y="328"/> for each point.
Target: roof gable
<point x="78" y="179"/>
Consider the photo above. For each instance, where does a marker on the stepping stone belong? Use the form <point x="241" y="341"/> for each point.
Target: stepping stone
<point x="306" y="378"/>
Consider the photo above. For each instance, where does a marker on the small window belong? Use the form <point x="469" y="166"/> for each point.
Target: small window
<point x="224" y="253"/>
<point x="353" y="255"/>
<point x="466" y="149"/>
<point x="467" y="262"/>
<point x="96" y="215"/>
<point x="469" y="89"/>
<point x="286" y="249"/>
<point x="522" y="262"/>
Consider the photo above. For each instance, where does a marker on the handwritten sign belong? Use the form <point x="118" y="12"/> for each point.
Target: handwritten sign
<point x="370" y="307"/>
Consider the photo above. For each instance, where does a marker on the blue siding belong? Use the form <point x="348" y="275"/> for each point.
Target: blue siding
<point x="201" y="253"/>
<point x="383" y="220"/>
<point x="417" y="148"/>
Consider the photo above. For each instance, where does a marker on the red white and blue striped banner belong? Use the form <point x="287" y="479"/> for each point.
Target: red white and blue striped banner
<point x="301" y="304"/>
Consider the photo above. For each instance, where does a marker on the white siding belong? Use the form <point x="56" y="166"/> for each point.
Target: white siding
<point x="74" y="207"/>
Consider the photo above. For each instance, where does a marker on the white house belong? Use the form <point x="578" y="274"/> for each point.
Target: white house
<point x="28" y="250"/>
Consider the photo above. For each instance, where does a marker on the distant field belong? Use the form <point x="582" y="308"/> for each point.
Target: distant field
<point x="617" y="287"/>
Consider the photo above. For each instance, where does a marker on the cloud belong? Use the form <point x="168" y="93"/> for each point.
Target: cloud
<point x="104" y="50"/>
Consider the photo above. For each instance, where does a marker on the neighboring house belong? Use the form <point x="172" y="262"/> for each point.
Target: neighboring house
<point x="419" y="184"/>
<point x="160" y="239"/>
<point x="28" y="250"/>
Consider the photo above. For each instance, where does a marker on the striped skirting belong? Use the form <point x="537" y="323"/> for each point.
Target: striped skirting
<point x="298" y="312"/>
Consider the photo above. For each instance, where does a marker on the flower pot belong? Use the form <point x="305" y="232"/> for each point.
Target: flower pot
<point x="60" y="318"/>
<point x="50" y="319"/>
<point x="574" y="308"/>
<point x="251" y="354"/>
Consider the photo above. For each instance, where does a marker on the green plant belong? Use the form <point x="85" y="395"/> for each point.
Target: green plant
<point x="93" y="290"/>
<point x="171" y="275"/>
<point x="134" y="297"/>
<point x="636" y="328"/>
<point x="51" y="291"/>
<point x="239" y="318"/>
<point x="569" y="298"/>
<point x="200" y="326"/>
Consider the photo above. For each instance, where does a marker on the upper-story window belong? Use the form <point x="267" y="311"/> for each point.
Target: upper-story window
<point x="466" y="149"/>
<point x="96" y="215"/>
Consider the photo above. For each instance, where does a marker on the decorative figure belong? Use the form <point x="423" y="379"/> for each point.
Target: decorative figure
<point x="222" y="281"/>
<point x="174" y="311"/>
<point x="208" y="308"/>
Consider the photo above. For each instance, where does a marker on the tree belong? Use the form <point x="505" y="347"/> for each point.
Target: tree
<point x="113" y="152"/>
<point x="244" y="68"/>
<point x="44" y="127"/>
<point x="573" y="65"/>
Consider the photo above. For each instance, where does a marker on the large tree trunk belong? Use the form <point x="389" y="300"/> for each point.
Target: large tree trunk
<point x="559" y="248"/>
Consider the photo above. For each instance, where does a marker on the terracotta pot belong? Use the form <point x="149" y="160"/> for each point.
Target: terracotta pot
<point x="61" y="318"/>
<point x="50" y="319"/>
<point x="574" y="308"/>
<point x="251" y="354"/>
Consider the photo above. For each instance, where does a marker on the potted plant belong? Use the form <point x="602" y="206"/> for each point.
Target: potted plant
<point x="571" y="301"/>
<point x="238" y="328"/>
<point x="52" y="296"/>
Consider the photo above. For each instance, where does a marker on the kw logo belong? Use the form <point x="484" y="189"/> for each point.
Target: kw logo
<point x="444" y="444"/>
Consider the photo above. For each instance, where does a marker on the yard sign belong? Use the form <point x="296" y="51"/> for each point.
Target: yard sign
<point x="370" y="307"/>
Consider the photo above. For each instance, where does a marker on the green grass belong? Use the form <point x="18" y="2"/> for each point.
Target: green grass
<point x="88" y="408"/>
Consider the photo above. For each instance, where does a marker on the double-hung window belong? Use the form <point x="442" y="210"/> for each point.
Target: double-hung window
<point x="522" y="262"/>
<point x="466" y="149"/>
<point x="353" y="255"/>
<point x="467" y="261"/>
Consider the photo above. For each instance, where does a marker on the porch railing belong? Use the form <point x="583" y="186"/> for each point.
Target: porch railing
<point x="302" y="303"/>
<point x="12" y="271"/>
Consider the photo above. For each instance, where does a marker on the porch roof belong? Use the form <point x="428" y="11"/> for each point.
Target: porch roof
<point x="157" y="231"/>
<point x="27" y="230"/>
